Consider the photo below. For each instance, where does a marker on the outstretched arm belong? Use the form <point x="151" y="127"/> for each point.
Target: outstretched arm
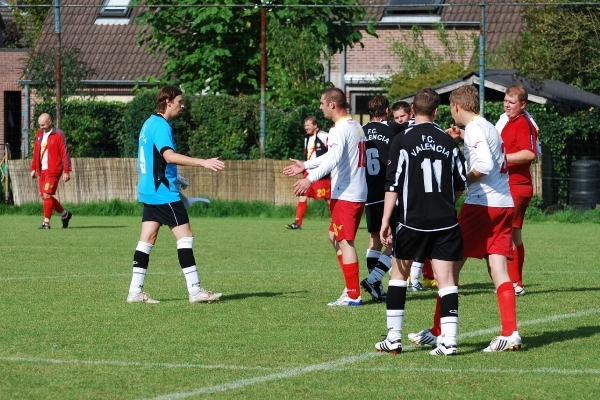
<point x="213" y="164"/>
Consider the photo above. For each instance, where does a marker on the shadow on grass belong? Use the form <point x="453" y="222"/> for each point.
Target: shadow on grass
<point x="546" y="338"/>
<point x="242" y="296"/>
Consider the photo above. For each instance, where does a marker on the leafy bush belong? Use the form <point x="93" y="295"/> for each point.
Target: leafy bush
<point x="224" y="126"/>
<point x="403" y="85"/>
<point x="138" y="111"/>
<point x="92" y="127"/>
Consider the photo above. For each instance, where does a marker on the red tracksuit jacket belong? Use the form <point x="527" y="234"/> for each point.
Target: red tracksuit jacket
<point x="59" y="159"/>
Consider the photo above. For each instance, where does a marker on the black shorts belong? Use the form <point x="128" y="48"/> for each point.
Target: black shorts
<point x="374" y="213"/>
<point x="170" y="214"/>
<point x="446" y="245"/>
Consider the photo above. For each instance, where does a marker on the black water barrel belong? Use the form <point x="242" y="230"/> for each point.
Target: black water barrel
<point x="584" y="184"/>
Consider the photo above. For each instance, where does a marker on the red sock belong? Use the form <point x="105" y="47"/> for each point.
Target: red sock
<point x="508" y="308"/>
<point x="57" y="206"/>
<point x="427" y="270"/>
<point x="350" y="272"/>
<point x="436" y="330"/>
<point x="340" y="261"/>
<point x="513" y="266"/>
<point x="300" y="211"/>
<point x="47" y="207"/>
<point x="521" y="251"/>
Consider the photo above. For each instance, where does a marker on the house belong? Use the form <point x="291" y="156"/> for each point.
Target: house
<point x="12" y="62"/>
<point x="358" y="70"/>
<point x="497" y="81"/>
<point x="105" y="35"/>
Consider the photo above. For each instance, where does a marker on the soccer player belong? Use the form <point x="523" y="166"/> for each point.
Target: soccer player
<point x="485" y="218"/>
<point x="520" y="136"/>
<point x="315" y="145"/>
<point x="51" y="159"/>
<point x="159" y="193"/>
<point x="425" y="176"/>
<point x="346" y="162"/>
<point x="401" y="112"/>
<point x="379" y="138"/>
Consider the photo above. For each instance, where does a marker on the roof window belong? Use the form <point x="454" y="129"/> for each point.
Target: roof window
<point x="115" y="9"/>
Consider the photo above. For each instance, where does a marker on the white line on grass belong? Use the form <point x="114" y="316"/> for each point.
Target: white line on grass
<point x="331" y="365"/>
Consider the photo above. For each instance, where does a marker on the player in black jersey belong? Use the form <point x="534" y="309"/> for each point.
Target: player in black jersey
<point x="379" y="138"/>
<point x="425" y="176"/>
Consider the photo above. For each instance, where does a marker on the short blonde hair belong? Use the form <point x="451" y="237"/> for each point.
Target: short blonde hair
<point x="467" y="97"/>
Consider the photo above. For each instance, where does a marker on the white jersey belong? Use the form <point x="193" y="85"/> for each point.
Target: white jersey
<point x="345" y="160"/>
<point x="311" y="144"/>
<point x="484" y="152"/>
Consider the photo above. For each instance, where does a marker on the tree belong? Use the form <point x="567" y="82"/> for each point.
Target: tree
<point x="40" y="68"/>
<point x="216" y="49"/>
<point x="560" y="42"/>
<point x="29" y="17"/>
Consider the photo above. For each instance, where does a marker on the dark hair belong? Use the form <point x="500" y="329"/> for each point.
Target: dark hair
<point x="401" y="105"/>
<point x="337" y="96"/>
<point x="378" y="106"/>
<point x="426" y="101"/>
<point x="166" y="93"/>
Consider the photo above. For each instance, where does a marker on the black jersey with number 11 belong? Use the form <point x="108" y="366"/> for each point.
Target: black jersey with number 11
<point x="426" y="168"/>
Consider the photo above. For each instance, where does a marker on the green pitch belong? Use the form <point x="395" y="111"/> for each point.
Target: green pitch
<point x="67" y="333"/>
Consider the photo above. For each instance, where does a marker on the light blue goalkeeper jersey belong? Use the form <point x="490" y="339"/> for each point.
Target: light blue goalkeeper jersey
<point x="157" y="177"/>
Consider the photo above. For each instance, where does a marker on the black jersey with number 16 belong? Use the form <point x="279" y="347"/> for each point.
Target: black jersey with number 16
<point x="425" y="168"/>
<point x="379" y="139"/>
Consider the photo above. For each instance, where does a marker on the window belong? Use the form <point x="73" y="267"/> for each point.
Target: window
<point x="418" y="7"/>
<point x="115" y="9"/>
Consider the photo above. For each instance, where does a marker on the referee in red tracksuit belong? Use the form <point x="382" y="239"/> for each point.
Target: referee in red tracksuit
<point x="51" y="159"/>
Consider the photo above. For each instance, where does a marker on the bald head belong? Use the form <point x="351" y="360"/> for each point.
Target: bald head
<point x="45" y="122"/>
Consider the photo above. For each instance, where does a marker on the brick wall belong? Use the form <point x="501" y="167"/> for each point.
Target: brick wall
<point x="375" y="57"/>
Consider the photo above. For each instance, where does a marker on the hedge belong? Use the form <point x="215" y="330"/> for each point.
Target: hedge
<point x="229" y="127"/>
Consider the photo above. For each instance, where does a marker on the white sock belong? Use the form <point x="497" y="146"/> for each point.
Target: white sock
<point x="377" y="274"/>
<point x="137" y="280"/>
<point x="395" y="318"/>
<point x="415" y="270"/>
<point x="139" y="274"/>
<point x="64" y="214"/>
<point x="190" y="273"/>
<point x="449" y="325"/>
<point x="191" y="279"/>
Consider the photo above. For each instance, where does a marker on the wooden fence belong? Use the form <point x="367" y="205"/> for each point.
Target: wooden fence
<point x="105" y="179"/>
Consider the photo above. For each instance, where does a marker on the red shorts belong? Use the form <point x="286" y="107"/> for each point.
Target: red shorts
<point x="521" y="195"/>
<point x="345" y="218"/>
<point x="486" y="230"/>
<point x="48" y="183"/>
<point x="319" y="190"/>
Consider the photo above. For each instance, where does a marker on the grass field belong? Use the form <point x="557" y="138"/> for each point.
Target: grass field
<point x="67" y="333"/>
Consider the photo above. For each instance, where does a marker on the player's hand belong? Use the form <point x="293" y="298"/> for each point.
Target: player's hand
<point x="455" y="132"/>
<point x="214" y="164"/>
<point x="302" y="186"/>
<point x="66" y="177"/>
<point x="296" y="168"/>
<point x="33" y="174"/>
<point x="385" y="234"/>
